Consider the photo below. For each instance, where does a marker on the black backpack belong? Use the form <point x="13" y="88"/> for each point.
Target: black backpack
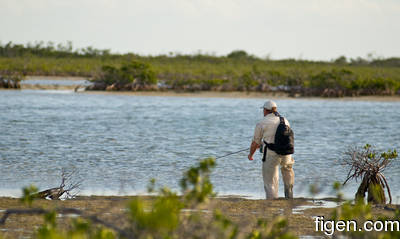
<point x="284" y="139"/>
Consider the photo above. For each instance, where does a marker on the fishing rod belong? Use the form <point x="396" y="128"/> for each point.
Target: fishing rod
<point x="232" y="153"/>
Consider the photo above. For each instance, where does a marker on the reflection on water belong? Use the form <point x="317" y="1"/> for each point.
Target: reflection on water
<point x="119" y="142"/>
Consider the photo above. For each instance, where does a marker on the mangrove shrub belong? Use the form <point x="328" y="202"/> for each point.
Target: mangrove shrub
<point x="133" y="74"/>
<point x="368" y="165"/>
<point x="360" y="212"/>
<point x="10" y="81"/>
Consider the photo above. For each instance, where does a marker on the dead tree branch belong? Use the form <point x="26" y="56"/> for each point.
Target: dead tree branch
<point x="67" y="186"/>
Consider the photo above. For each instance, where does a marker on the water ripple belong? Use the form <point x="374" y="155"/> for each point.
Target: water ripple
<point x="118" y="139"/>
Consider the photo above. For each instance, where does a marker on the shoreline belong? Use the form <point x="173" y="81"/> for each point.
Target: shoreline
<point x="240" y="94"/>
<point x="68" y="78"/>
<point x="299" y="212"/>
<point x="211" y="94"/>
<point x="243" y="212"/>
<point x="196" y="94"/>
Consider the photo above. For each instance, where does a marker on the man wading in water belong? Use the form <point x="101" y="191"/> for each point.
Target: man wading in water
<point x="277" y="151"/>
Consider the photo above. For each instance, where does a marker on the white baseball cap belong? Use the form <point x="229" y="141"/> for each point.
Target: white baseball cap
<point x="269" y="105"/>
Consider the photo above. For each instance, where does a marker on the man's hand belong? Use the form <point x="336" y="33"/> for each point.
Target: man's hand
<point x="253" y="147"/>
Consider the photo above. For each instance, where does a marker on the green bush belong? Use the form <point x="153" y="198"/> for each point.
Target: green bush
<point x="334" y="79"/>
<point x="238" y="54"/>
<point x="131" y="72"/>
<point x="248" y="80"/>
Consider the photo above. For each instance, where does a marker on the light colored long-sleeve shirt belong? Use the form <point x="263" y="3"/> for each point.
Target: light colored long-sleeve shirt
<point x="266" y="129"/>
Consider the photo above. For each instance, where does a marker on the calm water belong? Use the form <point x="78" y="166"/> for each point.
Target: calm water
<point x="117" y="143"/>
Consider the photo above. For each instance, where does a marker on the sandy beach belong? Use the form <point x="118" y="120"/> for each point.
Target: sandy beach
<point x="240" y="94"/>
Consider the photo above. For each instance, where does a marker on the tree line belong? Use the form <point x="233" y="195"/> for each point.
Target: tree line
<point x="237" y="71"/>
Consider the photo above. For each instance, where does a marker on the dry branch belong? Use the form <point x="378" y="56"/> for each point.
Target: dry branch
<point x="68" y="184"/>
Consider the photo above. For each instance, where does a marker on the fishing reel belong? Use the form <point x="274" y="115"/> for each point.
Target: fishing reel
<point x="262" y="148"/>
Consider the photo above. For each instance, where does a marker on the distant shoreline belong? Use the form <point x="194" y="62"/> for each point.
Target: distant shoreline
<point x="240" y="94"/>
<point x="193" y="94"/>
<point x="213" y="94"/>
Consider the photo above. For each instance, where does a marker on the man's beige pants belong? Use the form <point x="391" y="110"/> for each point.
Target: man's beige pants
<point x="270" y="171"/>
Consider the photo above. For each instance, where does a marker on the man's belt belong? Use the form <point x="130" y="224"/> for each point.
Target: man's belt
<point x="269" y="146"/>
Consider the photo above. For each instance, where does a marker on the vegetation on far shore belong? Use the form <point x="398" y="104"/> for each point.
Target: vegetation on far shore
<point x="238" y="71"/>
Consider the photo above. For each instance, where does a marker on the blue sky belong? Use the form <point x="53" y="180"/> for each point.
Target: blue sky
<point x="301" y="29"/>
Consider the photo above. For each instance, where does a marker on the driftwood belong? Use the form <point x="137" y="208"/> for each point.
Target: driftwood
<point x="368" y="165"/>
<point x="64" y="188"/>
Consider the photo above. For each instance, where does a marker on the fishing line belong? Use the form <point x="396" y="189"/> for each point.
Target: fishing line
<point x="232" y="153"/>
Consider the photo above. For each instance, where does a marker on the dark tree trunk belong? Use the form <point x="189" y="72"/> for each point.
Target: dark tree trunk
<point x="376" y="194"/>
<point x="362" y="189"/>
<point x="373" y="186"/>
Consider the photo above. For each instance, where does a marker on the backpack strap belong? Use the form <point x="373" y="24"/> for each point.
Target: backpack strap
<point x="267" y="146"/>
<point x="272" y="146"/>
<point x="265" y="152"/>
<point x="282" y="119"/>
